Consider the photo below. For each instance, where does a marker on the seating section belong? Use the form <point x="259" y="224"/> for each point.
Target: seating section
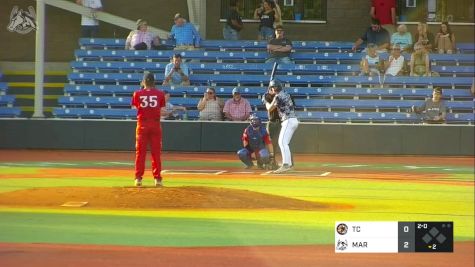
<point x="7" y="110"/>
<point x="324" y="81"/>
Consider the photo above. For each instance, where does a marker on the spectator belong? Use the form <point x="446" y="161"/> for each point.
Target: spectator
<point x="385" y="12"/>
<point x="141" y="39"/>
<point x="267" y="15"/>
<point x="176" y="72"/>
<point x="255" y="140"/>
<point x="210" y="106"/>
<point x="170" y="111"/>
<point x="419" y="64"/>
<point x="424" y="36"/>
<point x="89" y="24"/>
<point x="233" y="24"/>
<point x="374" y="34"/>
<point x="402" y="37"/>
<point x="395" y="64"/>
<point x="279" y="47"/>
<point x="434" y="108"/>
<point x="185" y="34"/>
<point x="445" y="39"/>
<point x="237" y="108"/>
<point x="371" y="64"/>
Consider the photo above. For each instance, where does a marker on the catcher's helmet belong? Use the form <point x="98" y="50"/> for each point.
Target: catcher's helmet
<point x="275" y="83"/>
<point x="255" y="121"/>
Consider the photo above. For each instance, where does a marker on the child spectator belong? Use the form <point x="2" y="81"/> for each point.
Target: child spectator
<point x="371" y="64"/>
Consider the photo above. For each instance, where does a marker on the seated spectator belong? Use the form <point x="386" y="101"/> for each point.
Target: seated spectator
<point x="434" y="108"/>
<point x="267" y="15"/>
<point x="237" y="108"/>
<point x="256" y="140"/>
<point x="233" y="24"/>
<point x="371" y="64"/>
<point x="402" y="37"/>
<point x="419" y="64"/>
<point x="185" y="34"/>
<point x="424" y="36"/>
<point x="141" y="39"/>
<point x="279" y="47"/>
<point x="376" y="35"/>
<point x="445" y="39"/>
<point x="170" y="111"/>
<point x="395" y="64"/>
<point x="176" y="72"/>
<point x="210" y="106"/>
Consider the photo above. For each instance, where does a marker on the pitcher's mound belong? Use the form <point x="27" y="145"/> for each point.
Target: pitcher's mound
<point x="156" y="198"/>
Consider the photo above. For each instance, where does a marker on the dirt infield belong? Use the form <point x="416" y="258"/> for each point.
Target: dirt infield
<point x="52" y="255"/>
<point x="157" y="198"/>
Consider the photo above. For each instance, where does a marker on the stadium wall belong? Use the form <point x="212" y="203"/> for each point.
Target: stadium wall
<point x="192" y="136"/>
<point x="346" y="21"/>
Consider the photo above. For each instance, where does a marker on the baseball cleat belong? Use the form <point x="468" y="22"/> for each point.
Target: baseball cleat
<point x="138" y="182"/>
<point x="283" y="168"/>
<point x="158" y="183"/>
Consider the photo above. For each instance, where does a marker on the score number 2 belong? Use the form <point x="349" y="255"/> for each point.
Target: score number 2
<point x="148" y="101"/>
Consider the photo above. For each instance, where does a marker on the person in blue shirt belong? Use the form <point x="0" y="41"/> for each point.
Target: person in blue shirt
<point x="185" y="34"/>
<point x="176" y="72"/>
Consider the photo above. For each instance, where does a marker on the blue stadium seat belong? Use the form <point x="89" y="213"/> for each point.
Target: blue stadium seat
<point x="89" y="89"/>
<point x="3" y="88"/>
<point x="461" y="118"/>
<point x="454" y="70"/>
<point x="468" y="48"/>
<point x="7" y="100"/>
<point x="109" y="43"/>
<point x="10" y="112"/>
<point x="94" y="101"/>
<point x="358" y="117"/>
<point x="103" y="113"/>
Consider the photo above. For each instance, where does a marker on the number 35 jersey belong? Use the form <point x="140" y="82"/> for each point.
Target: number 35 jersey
<point x="148" y="103"/>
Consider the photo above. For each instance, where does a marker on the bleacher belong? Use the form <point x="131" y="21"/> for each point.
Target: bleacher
<point x="7" y="110"/>
<point x="324" y="81"/>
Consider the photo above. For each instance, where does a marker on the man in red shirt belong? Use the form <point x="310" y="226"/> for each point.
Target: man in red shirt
<point x="149" y="102"/>
<point x="385" y="11"/>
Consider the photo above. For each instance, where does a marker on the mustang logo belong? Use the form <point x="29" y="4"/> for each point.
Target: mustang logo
<point x="22" y="21"/>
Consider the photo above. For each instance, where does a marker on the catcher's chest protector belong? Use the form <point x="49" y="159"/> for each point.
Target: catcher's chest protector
<point x="256" y="137"/>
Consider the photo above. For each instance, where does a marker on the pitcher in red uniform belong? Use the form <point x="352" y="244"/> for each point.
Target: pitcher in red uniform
<point x="149" y="102"/>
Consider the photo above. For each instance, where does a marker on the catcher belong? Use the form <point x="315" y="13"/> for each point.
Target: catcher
<point x="256" y="140"/>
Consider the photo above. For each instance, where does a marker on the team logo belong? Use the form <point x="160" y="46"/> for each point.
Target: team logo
<point x="342" y="244"/>
<point x="22" y="21"/>
<point x="342" y="229"/>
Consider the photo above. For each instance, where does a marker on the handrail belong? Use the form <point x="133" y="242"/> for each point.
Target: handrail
<point x="103" y="16"/>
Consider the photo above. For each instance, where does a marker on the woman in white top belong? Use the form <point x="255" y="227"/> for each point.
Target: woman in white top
<point x="395" y="64"/>
<point x="141" y="39"/>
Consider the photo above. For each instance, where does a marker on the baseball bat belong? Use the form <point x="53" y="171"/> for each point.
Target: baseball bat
<point x="274" y="69"/>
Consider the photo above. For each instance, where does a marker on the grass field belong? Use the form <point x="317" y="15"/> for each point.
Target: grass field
<point x="360" y="189"/>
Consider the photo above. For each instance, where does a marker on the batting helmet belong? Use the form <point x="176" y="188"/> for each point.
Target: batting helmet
<point x="275" y="83"/>
<point x="255" y="121"/>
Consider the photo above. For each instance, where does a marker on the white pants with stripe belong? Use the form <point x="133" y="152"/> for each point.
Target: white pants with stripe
<point x="286" y="132"/>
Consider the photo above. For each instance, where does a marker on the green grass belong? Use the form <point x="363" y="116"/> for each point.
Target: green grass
<point x="372" y="200"/>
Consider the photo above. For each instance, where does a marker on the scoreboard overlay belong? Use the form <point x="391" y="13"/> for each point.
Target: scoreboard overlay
<point x="393" y="237"/>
